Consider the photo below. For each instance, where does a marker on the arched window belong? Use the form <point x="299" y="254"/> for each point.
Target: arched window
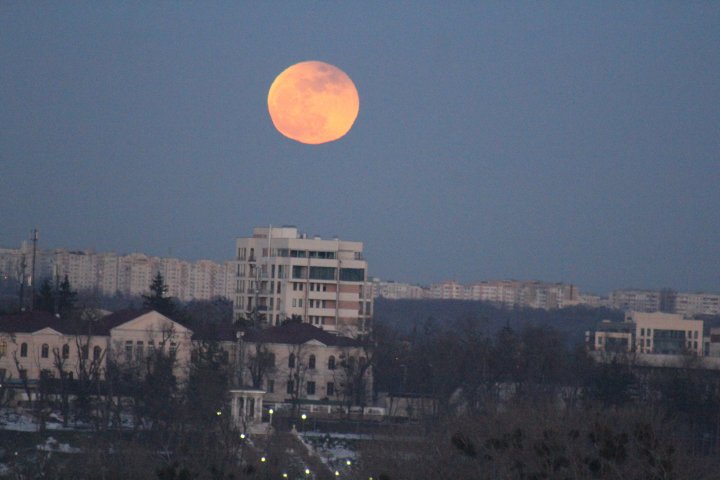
<point x="97" y="351"/>
<point x="45" y="350"/>
<point x="331" y="363"/>
<point x="23" y="349"/>
<point x="84" y="350"/>
<point x="311" y="362"/>
<point x="291" y="361"/>
<point x="66" y="351"/>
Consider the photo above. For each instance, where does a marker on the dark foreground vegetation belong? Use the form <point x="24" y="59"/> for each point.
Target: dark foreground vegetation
<point x="518" y="400"/>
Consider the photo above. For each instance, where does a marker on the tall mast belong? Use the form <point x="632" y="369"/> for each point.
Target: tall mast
<point x="32" y="275"/>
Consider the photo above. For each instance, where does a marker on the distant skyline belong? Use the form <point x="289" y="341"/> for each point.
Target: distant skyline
<point x="557" y="141"/>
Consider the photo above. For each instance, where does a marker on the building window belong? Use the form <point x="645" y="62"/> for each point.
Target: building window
<point x="65" y="351"/>
<point x="23" y="349"/>
<point x="128" y="349"/>
<point x="642" y="332"/>
<point x="331" y="363"/>
<point x="290" y="387"/>
<point x="44" y="350"/>
<point x="270" y="387"/>
<point x="84" y="351"/>
<point x="291" y="361"/>
<point x="330" y="389"/>
<point x="96" y="352"/>
<point x="311" y="362"/>
<point x="311" y="388"/>
<point x="139" y="347"/>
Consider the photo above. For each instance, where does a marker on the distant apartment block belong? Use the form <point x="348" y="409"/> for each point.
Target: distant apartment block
<point x="281" y="273"/>
<point x="669" y="301"/>
<point x="636" y="300"/>
<point x="110" y="273"/>
<point x="396" y="290"/>
<point x="509" y="293"/>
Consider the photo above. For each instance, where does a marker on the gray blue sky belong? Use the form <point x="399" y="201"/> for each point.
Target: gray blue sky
<point x="560" y="141"/>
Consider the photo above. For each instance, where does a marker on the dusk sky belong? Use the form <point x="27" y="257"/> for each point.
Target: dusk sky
<point x="558" y="141"/>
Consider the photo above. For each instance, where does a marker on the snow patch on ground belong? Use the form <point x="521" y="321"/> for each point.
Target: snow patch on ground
<point x="334" y="450"/>
<point x="52" y="445"/>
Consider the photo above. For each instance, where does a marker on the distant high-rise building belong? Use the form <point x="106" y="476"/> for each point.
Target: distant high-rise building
<point x="636" y="300"/>
<point x="281" y="274"/>
<point x="110" y="274"/>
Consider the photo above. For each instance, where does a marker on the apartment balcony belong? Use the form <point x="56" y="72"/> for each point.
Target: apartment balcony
<point x="322" y="295"/>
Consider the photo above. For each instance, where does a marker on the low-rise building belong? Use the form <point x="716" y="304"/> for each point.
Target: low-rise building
<point x="650" y="333"/>
<point x="298" y="363"/>
<point x="36" y="344"/>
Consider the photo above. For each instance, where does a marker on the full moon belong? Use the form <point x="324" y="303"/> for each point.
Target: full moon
<point x="313" y="102"/>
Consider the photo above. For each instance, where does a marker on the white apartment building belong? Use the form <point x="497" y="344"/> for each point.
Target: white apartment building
<point x="448" y="290"/>
<point x="509" y="293"/>
<point x="396" y="290"/>
<point x="281" y="274"/>
<point x="690" y="304"/>
<point x="635" y="300"/>
<point x="110" y="274"/>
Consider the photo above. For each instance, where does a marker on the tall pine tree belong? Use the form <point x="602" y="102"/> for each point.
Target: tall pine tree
<point x="157" y="299"/>
<point x="45" y="298"/>
<point x="66" y="298"/>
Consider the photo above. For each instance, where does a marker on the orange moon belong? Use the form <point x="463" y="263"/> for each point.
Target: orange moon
<point x="313" y="102"/>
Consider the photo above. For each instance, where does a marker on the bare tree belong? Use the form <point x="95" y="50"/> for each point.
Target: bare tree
<point x="60" y="359"/>
<point x="297" y="368"/>
<point x="260" y="364"/>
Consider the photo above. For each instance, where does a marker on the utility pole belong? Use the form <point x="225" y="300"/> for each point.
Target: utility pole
<point x="32" y="275"/>
<point x="21" y="275"/>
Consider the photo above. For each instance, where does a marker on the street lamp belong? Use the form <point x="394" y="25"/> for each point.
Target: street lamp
<point x="303" y="417"/>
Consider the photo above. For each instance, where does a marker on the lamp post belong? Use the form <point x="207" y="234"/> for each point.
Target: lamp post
<point x="303" y="417"/>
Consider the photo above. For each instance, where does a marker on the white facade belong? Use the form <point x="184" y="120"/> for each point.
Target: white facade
<point x="280" y="274"/>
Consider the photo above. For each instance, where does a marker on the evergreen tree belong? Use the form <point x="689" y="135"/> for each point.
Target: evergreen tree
<point x="157" y="299"/>
<point x="66" y="298"/>
<point x="45" y="299"/>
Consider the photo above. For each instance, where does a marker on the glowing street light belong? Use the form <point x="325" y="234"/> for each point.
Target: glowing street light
<point x="307" y="471"/>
